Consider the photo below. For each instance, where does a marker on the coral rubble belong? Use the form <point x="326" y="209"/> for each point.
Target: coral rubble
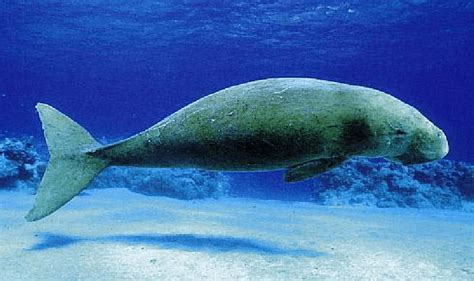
<point x="177" y="183"/>
<point x="20" y="164"/>
<point x="443" y="184"/>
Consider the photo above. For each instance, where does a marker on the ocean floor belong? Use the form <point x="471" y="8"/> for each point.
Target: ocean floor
<point x="114" y="234"/>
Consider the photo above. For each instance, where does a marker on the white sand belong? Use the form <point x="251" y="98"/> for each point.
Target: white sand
<point x="114" y="234"/>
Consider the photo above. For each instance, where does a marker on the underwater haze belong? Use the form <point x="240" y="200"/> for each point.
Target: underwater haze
<point x="119" y="67"/>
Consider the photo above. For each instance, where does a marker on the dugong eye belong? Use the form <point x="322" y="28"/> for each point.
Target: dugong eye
<point x="399" y="132"/>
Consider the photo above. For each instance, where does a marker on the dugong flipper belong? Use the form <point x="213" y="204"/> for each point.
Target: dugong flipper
<point x="312" y="168"/>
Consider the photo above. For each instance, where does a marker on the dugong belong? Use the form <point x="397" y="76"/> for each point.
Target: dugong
<point x="304" y="125"/>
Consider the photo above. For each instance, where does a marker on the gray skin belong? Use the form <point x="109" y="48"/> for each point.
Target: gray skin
<point x="307" y="126"/>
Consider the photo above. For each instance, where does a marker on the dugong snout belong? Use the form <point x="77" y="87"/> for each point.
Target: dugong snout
<point x="441" y="146"/>
<point x="427" y="145"/>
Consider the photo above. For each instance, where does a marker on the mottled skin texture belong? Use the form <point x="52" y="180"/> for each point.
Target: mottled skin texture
<point x="306" y="125"/>
<point x="282" y="123"/>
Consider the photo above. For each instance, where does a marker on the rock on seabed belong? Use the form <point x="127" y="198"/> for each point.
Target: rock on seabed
<point x="443" y="184"/>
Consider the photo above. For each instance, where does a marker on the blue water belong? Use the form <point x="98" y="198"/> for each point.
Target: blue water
<point x="118" y="67"/>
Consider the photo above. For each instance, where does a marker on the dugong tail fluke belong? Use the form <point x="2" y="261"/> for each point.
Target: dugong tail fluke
<point x="70" y="169"/>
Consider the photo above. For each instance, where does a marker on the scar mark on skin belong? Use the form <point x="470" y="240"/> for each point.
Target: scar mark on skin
<point x="268" y="142"/>
<point x="281" y="91"/>
<point x="194" y="112"/>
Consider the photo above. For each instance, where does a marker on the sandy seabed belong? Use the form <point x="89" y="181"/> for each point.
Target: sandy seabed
<point x="114" y="234"/>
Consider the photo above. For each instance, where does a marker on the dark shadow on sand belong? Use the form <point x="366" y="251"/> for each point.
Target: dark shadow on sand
<point x="184" y="242"/>
<point x="53" y="241"/>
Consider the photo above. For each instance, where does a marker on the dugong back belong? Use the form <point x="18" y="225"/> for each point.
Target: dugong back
<point x="267" y="124"/>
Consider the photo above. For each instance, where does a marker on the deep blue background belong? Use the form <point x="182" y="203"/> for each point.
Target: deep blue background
<point x="117" y="67"/>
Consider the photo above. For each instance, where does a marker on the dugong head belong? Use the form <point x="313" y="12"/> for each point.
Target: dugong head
<point x="423" y="141"/>
<point x="426" y="145"/>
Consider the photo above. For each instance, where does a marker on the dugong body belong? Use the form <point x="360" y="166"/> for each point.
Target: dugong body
<point x="304" y="125"/>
